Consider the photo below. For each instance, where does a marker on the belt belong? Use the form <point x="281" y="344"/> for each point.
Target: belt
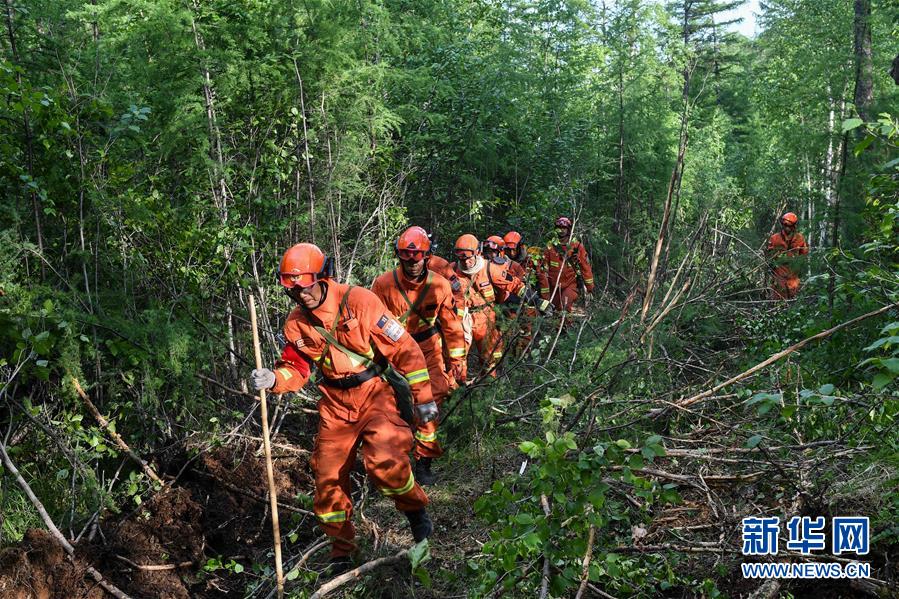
<point x="426" y="333"/>
<point x="354" y="380"/>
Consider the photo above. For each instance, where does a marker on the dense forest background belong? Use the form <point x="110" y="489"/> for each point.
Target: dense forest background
<point x="157" y="156"/>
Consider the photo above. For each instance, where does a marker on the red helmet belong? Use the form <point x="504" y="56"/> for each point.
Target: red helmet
<point x="512" y="239"/>
<point x="303" y="265"/>
<point x="789" y="219"/>
<point x="495" y="242"/>
<point x="466" y="246"/>
<point x="413" y="244"/>
<point x="563" y="222"/>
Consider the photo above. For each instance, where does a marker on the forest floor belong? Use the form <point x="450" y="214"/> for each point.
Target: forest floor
<point x="206" y="533"/>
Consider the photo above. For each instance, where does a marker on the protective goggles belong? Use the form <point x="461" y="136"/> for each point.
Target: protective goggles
<point x="411" y="255"/>
<point x="291" y="280"/>
<point x="464" y="254"/>
<point x="511" y="246"/>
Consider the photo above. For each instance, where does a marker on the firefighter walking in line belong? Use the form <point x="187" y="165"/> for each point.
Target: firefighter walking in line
<point x="562" y="264"/>
<point x="522" y="266"/>
<point x="428" y="310"/>
<point x="351" y="336"/>
<point x="783" y="248"/>
<point x="481" y="281"/>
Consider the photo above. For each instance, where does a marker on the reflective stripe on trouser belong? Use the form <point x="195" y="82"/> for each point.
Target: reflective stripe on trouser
<point x="426" y="445"/>
<point x="386" y="442"/>
<point x="487" y="337"/>
<point x="564" y="298"/>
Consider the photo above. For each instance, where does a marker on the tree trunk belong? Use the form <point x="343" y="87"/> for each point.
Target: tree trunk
<point x="29" y="139"/>
<point x="864" y="69"/>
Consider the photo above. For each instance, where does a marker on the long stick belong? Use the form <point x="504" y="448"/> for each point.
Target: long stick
<point x="266" y="444"/>
<point x="772" y="359"/>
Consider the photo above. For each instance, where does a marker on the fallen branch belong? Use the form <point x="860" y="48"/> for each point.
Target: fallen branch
<point x="585" y="568"/>
<point x="544" y="585"/>
<point x="356" y="573"/>
<point x="153" y="567"/>
<point x="51" y="527"/>
<point x="771" y="360"/>
<point x="148" y="470"/>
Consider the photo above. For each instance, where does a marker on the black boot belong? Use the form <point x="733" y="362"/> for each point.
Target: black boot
<point x="340" y="564"/>
<point x="420" y="523"/>
<point x="423" y="473"/>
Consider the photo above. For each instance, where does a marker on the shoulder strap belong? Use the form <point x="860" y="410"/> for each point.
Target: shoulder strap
<point x="413" y="306"/>
<point x="331" y="339"/>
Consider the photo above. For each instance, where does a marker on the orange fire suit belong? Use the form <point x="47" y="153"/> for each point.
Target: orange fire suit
<point x="444" y="269"/>
<point x="476" y="296"/>
<point x="786" y="281"/>
<point x="354" y="410"/>
<point x="517" y="270"/>
<point x="429" y="314"/>
<point x="558" y="282"/>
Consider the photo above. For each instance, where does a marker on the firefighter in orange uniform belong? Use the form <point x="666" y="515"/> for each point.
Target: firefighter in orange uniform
<point x="425" y="300"/>
<point x="480" y="282"/>
<point x="782" y="247"/>
<point x="562" y="265"/>
<point x="351" y="336"/>
<point x="522" y="265"/>
<point x="498" y="265"/>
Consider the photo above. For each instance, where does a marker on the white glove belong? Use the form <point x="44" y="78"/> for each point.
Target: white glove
<point x="426" y="412"/>
<point x="262" y="378"/>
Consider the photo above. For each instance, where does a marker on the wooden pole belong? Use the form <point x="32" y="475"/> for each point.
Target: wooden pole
<point x="266" y="444"/>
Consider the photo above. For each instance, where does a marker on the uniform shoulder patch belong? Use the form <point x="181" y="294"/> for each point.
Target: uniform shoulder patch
<point x="485" y="283"/>
<point x="382" y="321"/>
<point x="455" y="285"/>
<point x="393" y="329"/>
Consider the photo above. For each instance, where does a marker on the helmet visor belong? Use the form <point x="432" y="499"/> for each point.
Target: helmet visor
<point x="411" y="255"/>
<point x="291" y="280"/>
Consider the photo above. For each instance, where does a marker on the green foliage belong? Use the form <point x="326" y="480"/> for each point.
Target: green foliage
<point x="582" y="488"/>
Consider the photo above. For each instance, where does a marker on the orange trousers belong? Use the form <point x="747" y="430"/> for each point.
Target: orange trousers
<point x="785" y="284"/>
<point x="487" y="337"/>
<point x="386" y="441"/>
<point x="442" y="385"/>
<point x="564" y="297"/>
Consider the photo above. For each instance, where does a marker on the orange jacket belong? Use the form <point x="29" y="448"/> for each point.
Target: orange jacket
<point x="480" y="289"/>
<point x="444" y="269"/>
<point x="779" y="245"/>
<point x="517" y="270"/>
<point x="437" y="307"/>
<point x="497" y="270"/>
<point x="364" y="326"/>
<point x="575" y="258"/>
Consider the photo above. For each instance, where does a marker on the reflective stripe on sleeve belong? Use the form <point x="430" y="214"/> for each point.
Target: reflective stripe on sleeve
<point x="402" y="490"/>
<point x="588" y="281"/>
<point x="418" y="376"/>
<point x="553" y="263"/>
<point x="339" y="516"/>
<point x="285" y="373"/>
<point x="457" y="352"/>
<point x="426" y="437"/>
<point x="544" y="290"/>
